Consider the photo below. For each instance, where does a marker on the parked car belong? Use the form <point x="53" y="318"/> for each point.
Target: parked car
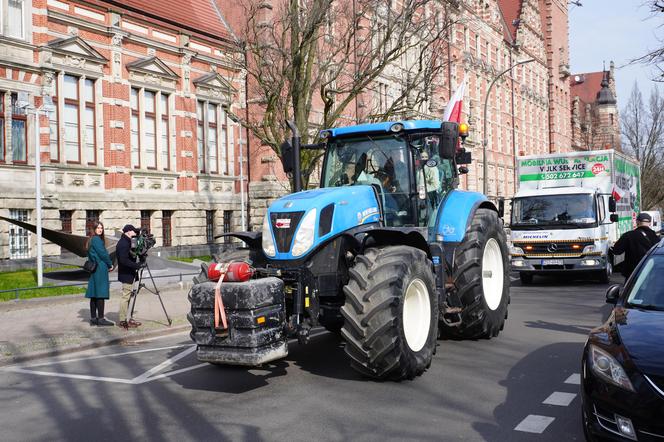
<point x="622" y="375"/>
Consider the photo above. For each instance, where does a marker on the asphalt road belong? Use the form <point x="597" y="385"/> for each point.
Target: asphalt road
<point x="521" y="386"/>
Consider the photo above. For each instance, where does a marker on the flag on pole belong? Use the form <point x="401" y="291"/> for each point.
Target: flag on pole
<point x="617" y="193"/>
<point x="453" y="108"/>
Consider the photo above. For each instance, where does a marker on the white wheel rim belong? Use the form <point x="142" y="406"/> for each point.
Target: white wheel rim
<point x="492" y="274"/>
<point x="416" y="315"/>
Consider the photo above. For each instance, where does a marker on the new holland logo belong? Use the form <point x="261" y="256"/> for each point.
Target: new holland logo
<point x="553" y="247"/>
<point x="283" y="223"/>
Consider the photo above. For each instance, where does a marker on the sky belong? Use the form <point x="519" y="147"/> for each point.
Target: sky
<point x="618" y="30"/>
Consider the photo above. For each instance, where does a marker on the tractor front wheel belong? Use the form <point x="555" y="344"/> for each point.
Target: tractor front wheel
<point x="390" y="313"/>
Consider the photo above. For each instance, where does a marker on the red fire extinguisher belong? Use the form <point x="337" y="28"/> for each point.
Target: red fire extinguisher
<point x="238" y="271"/>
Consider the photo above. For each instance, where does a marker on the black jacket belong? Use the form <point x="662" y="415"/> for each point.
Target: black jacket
<point x="634" y="244"/>
<point x="127" y="265"/>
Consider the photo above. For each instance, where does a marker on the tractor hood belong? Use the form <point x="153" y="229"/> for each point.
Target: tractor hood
<point x="296" y="224"/>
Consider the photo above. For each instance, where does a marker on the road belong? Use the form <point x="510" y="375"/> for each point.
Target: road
<point x="522" y="386"/>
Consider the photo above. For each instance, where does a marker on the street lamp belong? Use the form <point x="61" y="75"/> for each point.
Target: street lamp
<point x="236" y="120"/>
<point x="46" y="107"/>
<point x="485" y="140"/>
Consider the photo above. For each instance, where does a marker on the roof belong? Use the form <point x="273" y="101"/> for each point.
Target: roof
<point x="511" y="10"/>
<point x="385" y="127"/>
<point x="200" y="16"/>
<point x="586" y="86"/>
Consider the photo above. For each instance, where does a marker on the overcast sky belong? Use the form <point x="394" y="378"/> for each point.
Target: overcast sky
<point x="618" y="30"/>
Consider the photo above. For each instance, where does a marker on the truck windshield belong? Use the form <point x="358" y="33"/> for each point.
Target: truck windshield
<point x="575" y="210"/>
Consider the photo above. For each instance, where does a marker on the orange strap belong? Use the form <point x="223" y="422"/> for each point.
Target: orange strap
<point x="219" y="311"/>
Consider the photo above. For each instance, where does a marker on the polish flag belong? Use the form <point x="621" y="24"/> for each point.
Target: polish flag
<point x="617" y="193"/>
<point x="453" y="108"/>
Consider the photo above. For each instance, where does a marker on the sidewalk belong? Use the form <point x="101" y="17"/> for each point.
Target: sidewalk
<point x="48" y="326"/>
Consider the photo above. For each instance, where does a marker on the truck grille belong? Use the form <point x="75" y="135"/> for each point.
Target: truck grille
<point x="554" y="248"/>
<point x="284" y="225"/>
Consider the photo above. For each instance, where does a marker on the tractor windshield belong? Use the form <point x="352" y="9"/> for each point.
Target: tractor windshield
<point x="380" y="160"/>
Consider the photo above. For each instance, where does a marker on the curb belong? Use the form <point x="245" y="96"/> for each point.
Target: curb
<point x="95" y="344"/>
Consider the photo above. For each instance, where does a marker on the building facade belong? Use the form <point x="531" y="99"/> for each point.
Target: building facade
<point x="140" y="130"/>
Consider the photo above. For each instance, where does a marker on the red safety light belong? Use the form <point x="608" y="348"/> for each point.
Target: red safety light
<point x="238" y="271"/>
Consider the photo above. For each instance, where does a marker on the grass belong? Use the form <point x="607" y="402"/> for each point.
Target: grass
<point x="28" y="278"/>
<point x="204" y="258"/>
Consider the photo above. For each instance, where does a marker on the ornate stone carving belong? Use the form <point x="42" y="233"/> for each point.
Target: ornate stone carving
<point x="116" y="40"/>
<point x="78" y="62"/>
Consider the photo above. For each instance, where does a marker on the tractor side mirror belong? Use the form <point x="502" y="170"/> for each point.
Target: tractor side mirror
<point x="287" y="159"/>
<point x="612" y="294"/>
<point x="463" y="157"/>
<point x="463" y="170"/>
<point x="613" y="217"/>
<point x="501" y="208"/>
<point x="449" y="140"/>
<point x="612" y="204"/>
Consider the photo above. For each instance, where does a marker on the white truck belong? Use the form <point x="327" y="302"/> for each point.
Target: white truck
<point x="569" y="209"/>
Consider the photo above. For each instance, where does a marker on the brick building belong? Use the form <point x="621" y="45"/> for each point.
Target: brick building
<point x="595" y="118"/>
<point x="141" y="131"/>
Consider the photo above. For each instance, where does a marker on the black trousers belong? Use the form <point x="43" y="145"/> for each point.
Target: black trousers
<point x="97" y="308"/>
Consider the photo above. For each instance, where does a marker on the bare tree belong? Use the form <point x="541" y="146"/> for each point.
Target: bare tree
<point x="654" y="57"/>
<point x="318" y="63"/>
<point x="643" y="135"/>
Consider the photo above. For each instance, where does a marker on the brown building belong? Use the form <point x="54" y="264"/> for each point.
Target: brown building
<point x="595" y="118"/>
<point x="140" y="132"/>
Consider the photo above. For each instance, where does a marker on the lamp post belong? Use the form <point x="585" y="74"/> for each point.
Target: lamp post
<point x="46" y="107"/>
<point x="485" y="140"/>
<point x="236" y="120"/>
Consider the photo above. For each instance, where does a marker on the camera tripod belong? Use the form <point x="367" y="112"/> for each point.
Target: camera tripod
<point x="138" y="284"/>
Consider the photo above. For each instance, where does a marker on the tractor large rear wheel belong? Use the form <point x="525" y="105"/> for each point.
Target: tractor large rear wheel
<point x="390" y="314"/>
<point x="481" y="278"/>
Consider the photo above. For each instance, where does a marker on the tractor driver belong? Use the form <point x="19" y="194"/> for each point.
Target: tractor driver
<point x="396" y="201"/>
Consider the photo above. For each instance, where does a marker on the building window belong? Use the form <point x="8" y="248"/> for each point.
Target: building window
<point x="14" y="19"/>
<point x="54" y="131"/>
<point x="145" y="220"/>
<point x="2" y="127"/>
<point x="209" y="226"/>
<point x="135" y="129"/>
<point x="19" y="133"/>
<point x="91" y="218"/>
<point x="166" y="229"/>
<point x="228" y="216"/>
<point x="149" y="124"/>
<point x="71" y="119"/>
<point x="65" y="219"/>
<point x="89" y="121"/>
<point x="19" y="245"/>
<point x="211" y="135"/>
<point x="165" y="134"/>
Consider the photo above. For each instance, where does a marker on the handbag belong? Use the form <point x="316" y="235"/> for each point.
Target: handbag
<point x="89" y="266"/>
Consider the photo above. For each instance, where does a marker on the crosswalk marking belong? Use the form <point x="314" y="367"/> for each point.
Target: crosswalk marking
<point x="534" y="423"/>
<point x="559" y="398"/>
<point x="574" y="379"/>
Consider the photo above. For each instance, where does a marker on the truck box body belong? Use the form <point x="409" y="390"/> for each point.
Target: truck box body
<point x="561" y="209"/>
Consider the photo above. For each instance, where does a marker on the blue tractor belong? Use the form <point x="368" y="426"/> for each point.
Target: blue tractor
<point x="387" y="253"/>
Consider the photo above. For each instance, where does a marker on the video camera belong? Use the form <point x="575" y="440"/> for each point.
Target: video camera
<point x="141" y="243"/>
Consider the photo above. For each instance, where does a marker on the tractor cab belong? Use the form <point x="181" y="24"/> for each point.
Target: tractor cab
<point x="409" y="169"/>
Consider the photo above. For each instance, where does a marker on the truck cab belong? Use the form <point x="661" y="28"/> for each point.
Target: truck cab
<point x="563" y="229"/>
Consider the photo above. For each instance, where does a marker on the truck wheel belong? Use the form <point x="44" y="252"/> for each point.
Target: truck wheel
<point x="390" y="314"/>
<point x="604" y="276"/>
<point x="526" y="278"/>
<point x="481" y="278"/>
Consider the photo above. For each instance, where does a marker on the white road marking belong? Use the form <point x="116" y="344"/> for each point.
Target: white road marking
<point x="70" y="376"/>
<point x="534" y="423"/>
<point x="574" y="379"/>
<point x="145" y="376"/>
<point x="559" y="398"/>
<point x="172" y="373"/>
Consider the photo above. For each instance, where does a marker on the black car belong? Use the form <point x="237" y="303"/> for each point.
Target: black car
<point x="622" y="374"/>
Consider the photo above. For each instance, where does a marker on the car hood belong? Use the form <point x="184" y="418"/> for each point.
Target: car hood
<point x="642" y="334"/>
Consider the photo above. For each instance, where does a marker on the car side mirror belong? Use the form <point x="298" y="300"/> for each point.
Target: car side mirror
<point x="449" y="140"/>
<point x="613" y="293"/>
<point x="612" y="204"/>
<point x="613" y="217"/>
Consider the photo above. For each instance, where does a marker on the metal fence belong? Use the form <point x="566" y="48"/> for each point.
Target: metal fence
<point x="17" y="290"/>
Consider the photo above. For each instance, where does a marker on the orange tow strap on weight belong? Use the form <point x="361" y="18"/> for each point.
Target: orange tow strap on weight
<point x="219" y="310"/>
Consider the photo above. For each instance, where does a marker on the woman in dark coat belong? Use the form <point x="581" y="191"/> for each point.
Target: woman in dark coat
<point x="98" y="285"/>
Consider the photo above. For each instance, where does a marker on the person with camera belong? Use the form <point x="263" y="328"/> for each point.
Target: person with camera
<point x="127" y="267"/>
<point x="98" y="285"/>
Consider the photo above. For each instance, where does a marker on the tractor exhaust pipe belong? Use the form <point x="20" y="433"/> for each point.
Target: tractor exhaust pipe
<point x="295" y="142"/>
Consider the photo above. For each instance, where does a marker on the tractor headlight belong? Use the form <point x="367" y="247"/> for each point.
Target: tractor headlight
<point x="304" y="238"/>
<point x="608" y="368"/>
<point x="268" y="242"/>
